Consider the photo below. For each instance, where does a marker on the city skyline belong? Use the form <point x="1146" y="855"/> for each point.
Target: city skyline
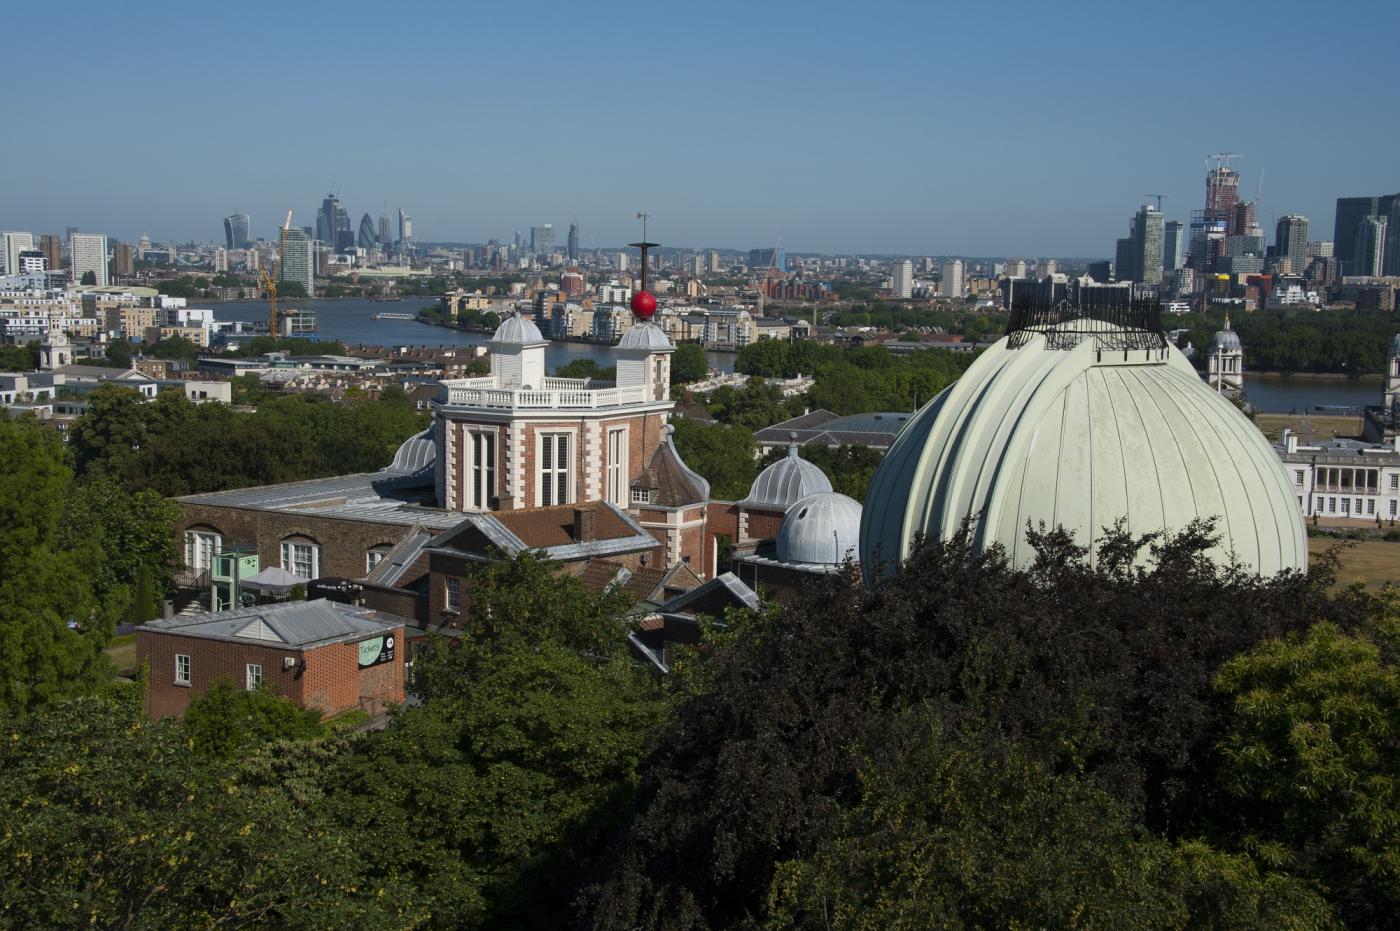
<point x="845" y="158"/>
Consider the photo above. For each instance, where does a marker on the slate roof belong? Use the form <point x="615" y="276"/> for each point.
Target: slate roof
<point x="876" y="430"/>
<point x="673" y="483"/>
<point x="296" y="624"/>
<point x="550" y="529"/>
<point x="397" y="563"/>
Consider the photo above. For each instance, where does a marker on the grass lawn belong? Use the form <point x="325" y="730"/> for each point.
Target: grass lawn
<point x="1372" y="562"/>
<point x="122" y="650"/>
<point x="1309" y="427"/>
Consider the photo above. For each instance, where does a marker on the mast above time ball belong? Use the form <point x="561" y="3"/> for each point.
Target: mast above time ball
<point x="643" y="302"/>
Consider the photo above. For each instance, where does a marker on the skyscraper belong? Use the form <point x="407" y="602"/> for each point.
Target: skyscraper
<point x="236" y="229"/>
<point x="297" y="259"/>
<point x="405" y="227"/>
<point x="14" y="244"/>
<point x="904" y="279"/>
<point x="1346" y="228"/>
<point x="1222" y="194"/>
<point x="542" y="240"/>
<point x="325" y="219"/>
<point x="122" y="264"/>
<point x="1291" y="241"/>
<point x="385" y="231"/>
<point x="573" y="242"/>
<point x="52" y="246"/>
<point x="90" y="256"/>
<point x="1173" y="245"/>
<point x="1370" y="247"/>
<point x="367" y="238"/>
<point x="952" y="285"/>
<point x="1148" y="233"/>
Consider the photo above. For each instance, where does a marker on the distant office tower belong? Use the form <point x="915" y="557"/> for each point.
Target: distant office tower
<point x="1321" y="249"/>
<point x="573" y="242"/>
<point x="1139" y="256"/>
<point x="1102" y="272"/>
<point x="90" y="255"/>
<point x="1016" y="268"/>
<point x="1173" y="245"/>
<point x="1246" y="219"/>
<point x="952" y="285"/>
<point x="1370" y="247"/>
<point x="68" y="232"/>
<point x="405" y="226"/>
<point x="236" y="229"/>
<point x="1222" y="194"/>
<point x="220" y="260"/>
<point x="52" y="246"/>
<point x="714" y="261"/>
<point x="325" y="219"/>
<point x="622" y="261"/>
<point x="14" y="244"/>
<point x="123" y="264"/>
<point x="1346" y="229"/>
<point x="1125" y="259"/>
<point x="542" y="240"/>
<point x="904" y="279"/>
<point x="768" y="258"/>
<point x="1291" y="241"/>
<point x="367" y="238"/>
<point x="385" y="239"/>
<point x="298" y="259"/>
<point x="1045" y="268"/>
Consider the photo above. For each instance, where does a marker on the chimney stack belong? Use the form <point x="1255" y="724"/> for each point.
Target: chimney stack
<point x="585" y="530"/>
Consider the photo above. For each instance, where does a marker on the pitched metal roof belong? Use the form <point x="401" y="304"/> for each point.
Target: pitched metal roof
<point x="297" y="624"/>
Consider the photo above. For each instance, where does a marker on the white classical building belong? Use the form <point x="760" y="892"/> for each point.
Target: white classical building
<point x="1347" y="479"/>
<point x="1080" y="422"/>
<point x="1225" y="361"/>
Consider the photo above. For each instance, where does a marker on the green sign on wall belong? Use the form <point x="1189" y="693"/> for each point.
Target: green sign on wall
<point x="376" y="650"/>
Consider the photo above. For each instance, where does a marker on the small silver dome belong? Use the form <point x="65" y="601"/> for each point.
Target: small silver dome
<point x="780" y="485"/>
<point x="516" y="330"/>
<point x="647" y="337"/>
<point x="1395" y="345"/>
<point x="1225" y="340"/>
<point x="418" y="452"/>
<point x="820" y="529"/>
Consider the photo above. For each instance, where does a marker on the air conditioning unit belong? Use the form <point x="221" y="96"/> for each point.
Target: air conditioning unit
<point x="289" y="662"/>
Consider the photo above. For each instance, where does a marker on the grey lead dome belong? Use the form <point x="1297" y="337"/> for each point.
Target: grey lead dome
<point x="1081" y="437"/>
<point x="646" y="336"/>
<point x="516" y="330"/>
<point x="780" y="485"/>
<point x="820" y="529"/>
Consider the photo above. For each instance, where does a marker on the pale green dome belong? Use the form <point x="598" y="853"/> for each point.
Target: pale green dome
<point x="1082" y="435"/>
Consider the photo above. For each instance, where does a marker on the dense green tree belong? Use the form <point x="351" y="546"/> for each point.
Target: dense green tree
<point x="174" y="347"/>
<point x="291" y="290"/>
<point x="19" y="358"/>
<point x="1312" y="759"/>
<point x="119" y="354"/>
<point x="724" y="454"/>
<point x="227" y="721"/>
<point x="688" y="363"/>
<point x="110" y="432"/>
<point x="133" y="532"/>
<point x="754" y="406"/>
<point x="585" y="368"/>
<point x="89" y="278"/>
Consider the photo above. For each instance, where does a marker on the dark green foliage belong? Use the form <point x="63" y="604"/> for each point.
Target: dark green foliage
<point x="89" y="278"/>
<point x="754" y="406"/>
<point x="1102" y="675"/>
<point x="19" y="358"/>
<point x="849" y="468"/>
<point x="291" y="290"/>
<point x="724" y="454"/>
<point x="134" y="533"/>
<point x="586" y="368"/>
<point x="296" y="346"/>
<point x="1343" y="342"/>
<point x="857" y="380"/>
<point x="688" y="363"/>
<point x="175" y="447"/>
<point x="175" y="347"/>
<point x="118" y="354"/>
<point x="187" y="286"/>
<point x="227" y="721"/>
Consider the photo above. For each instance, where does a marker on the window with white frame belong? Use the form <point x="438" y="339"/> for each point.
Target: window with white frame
<point x="1395" y="483"/>
<point x="1392" y="507"/>
<point x="452" y="595"/>
<point x="641" y="496"/>
<point x="617" y="466"/>
<point x="252" y="676"/>
<point x="1298" y="477"/>
<point x="301" y="558"/>
<point x="201" y="546"/>
<point x="554" y="485"/>
<point x="374" y="556"/>
<point x="182" y="669"/>
<point x="483" y="468"/>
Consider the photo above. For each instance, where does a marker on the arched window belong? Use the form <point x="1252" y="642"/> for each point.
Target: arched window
<point x="202" y="544"/>
<point x="301" y="556"/>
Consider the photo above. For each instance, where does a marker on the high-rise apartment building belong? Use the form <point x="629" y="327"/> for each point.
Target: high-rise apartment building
<point x="90" y="256"/>
<point x="1044" y="268"/>
<point x="52" y="246"/>
<point x="1222" y="194"/>
<point x="952" y="284"/>
<point x="1291" y="241"/>
<point x="236" y="231"/>
<point x="123" y="264"/>
<point x="298" y="259"/>
<point x="14" y="243"/>
<point x="903" y="279"/>
<point x="542" y="240"/>
<point x="1369" y="259"/>
<point x="1346" y="229"/>
<point x="1139" y="256"/>
<point x="1173" y="245"/>
<point x="573" y="242"/>
<point x="714" y="261"/>
<point x="405" y="227"/>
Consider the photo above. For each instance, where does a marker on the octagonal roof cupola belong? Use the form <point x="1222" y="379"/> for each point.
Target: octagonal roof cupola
<point x="516" y="330"/>
<point x="517" y="353"/>
<point x="781" y="484"/>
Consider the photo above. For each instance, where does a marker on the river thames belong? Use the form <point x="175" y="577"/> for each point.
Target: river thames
<point x="351" y="322"/>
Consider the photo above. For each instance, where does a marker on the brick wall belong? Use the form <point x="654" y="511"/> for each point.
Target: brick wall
<point x="334" y="682"/>
<point x="344" y="543"/>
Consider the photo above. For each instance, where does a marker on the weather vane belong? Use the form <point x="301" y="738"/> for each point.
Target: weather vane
<point x="643" y="302"/>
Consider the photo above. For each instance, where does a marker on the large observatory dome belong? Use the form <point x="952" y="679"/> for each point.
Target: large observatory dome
<point x="1082" y="422"/>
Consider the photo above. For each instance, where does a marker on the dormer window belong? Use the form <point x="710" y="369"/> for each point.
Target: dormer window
<point x="641" y="496"/>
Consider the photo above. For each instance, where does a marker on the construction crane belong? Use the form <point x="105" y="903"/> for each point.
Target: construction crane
<point x="269" y="282"/>
<point x="1222" y="159"/>
<point x="1160" y="198"/>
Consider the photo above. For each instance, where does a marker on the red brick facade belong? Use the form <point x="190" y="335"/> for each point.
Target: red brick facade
<point x="326" y="677"/>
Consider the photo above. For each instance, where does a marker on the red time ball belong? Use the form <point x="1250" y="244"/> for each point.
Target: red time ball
<point x="644" y="304"/>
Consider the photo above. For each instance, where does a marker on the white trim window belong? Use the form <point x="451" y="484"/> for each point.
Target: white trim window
<point x="201" y="546"/>
<point x="554" y="469"/>
<point x="252" y="676"/>
<point x="182" y="669"/>
<point x="452" y="595"/>
<point x="617" y="466"/>
<point x="301" y="559"/>
<point x="482" y="490"/>
<point x="374" y="556"/>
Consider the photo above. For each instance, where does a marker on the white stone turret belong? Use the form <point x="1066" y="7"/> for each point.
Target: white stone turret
<point x="644" y="358"/>
<point x="1392" y="376"/>
<point x="517" y="353"/>
<point x="1225" y="361"/>
<point x="57" y="349"/>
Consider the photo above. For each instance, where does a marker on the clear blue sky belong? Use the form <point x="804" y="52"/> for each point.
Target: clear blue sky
<point x="918" y="128"/>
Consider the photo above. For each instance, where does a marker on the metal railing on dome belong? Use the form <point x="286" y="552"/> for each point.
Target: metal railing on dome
<point x="1113" y="322"/>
